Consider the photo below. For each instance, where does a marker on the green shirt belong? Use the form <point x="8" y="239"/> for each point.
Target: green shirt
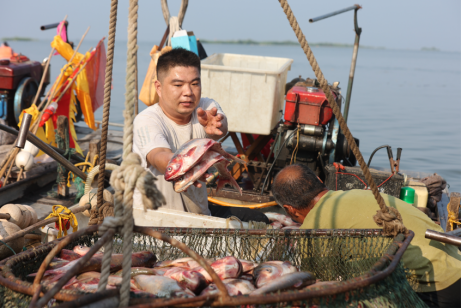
<point x="433" y="265"/>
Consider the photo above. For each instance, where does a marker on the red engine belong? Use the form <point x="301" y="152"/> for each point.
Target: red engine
<point x="307" y="105"/>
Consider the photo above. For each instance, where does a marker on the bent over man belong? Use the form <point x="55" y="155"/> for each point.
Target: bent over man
<point x="181" y="115"/>
<point x="435" y="266"/>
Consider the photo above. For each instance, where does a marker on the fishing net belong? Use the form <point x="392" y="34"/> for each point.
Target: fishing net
<point x="352" y="259"/>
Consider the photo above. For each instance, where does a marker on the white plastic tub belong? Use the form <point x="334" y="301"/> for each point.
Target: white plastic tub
<point x="250" y="89"/>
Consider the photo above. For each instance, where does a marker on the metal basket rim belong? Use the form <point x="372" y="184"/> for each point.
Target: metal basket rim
<point x="379" y="271"/>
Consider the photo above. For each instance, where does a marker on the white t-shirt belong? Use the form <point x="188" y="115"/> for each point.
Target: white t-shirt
<point x="153" y="129"/>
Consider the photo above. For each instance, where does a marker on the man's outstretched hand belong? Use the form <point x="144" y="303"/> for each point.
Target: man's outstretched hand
<point x="211" y="120"/>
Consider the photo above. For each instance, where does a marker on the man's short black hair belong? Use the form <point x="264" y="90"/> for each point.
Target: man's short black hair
<point x="296" y="185"/>
<point x="177" y="57"/>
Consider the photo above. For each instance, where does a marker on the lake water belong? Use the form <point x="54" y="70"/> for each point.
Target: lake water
<point x="403" y="98"/>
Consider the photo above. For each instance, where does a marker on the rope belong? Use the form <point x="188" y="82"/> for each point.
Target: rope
<point x="174" y="26"/>
<point x="124" y="180"/>
<point x="107" y="99"/>
<point x="63" y="212"/>
<point x="131" y="93"/>
<point x="392" y="224"/>
<point x="181" y="13"/>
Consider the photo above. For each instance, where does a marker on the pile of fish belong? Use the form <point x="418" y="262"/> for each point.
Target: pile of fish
<point x="280" y="221"/>
<point x="183" y="278"/>
<point x="194" y="158"/>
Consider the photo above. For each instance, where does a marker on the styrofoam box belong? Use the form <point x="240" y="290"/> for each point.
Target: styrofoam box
<point x="249" y="89"/>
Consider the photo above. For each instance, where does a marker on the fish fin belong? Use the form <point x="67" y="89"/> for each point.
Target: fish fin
<point x="222" y="180"/>
<point x="190" y="152"/>
<point x="56" y="277"/>
<point x="225" y="177"/>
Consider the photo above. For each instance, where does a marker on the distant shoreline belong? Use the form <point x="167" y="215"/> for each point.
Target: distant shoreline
<point x="18" y="38"/>
<point x="282" y="43"/>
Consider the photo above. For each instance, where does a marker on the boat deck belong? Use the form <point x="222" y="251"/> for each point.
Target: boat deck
<point x="33" y="187"/>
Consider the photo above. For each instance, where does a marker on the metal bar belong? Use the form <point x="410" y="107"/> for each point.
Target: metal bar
<point x="51" y="26"/>
<point x="354" y="7"/>
<point x="353" y="66"/>
<point x="34" y="142"/>
<point x="442" y="237"/>
<point x="22" y="136"/>
<point x="110" y="124"/>
<point x="47" y="149"/>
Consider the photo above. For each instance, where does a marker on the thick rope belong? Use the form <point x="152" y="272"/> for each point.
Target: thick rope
<point x="124" y="180"/>
<point x="166" y="12"/>
<point x="131" y="93"/>
<point x="107" y="99"/>
<point x="390" y="220"/>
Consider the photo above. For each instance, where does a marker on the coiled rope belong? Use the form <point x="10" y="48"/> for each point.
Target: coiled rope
<point x="107" y="99"/>
<point x="388" y="218"/>
<point x="124" y="180"/>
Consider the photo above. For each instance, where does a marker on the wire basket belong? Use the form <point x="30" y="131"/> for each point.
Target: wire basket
<point x="363" y="265"/>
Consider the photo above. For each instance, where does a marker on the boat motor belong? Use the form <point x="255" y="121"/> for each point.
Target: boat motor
<point x="310" y="132"/>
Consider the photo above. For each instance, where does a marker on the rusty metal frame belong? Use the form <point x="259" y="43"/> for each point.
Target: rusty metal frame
<point x="380" y="270"/>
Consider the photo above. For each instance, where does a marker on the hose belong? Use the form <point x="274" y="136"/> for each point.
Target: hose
<point x="249" y="206"/>
<point x="275" y="158"/>
<point x="372" y="155"/>
<point x="94" y="172"/>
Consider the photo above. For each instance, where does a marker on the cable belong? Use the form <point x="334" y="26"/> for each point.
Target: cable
<point x="372" y="155"/>
<point x="275" y="158"/>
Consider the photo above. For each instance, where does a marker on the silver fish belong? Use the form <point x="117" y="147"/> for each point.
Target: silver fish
<point x="248" y="266"/>
<point x="289" y="281"/>
<point x="271" y="270"/>
<point x="283" y="219"/>
<point x="233" y="286"/>
<point x="161" y="286"/>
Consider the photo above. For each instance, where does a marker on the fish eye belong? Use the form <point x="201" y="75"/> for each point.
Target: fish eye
<point x="169" y="169"/>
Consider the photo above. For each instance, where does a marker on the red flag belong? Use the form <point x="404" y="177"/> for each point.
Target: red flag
<point x="95" y="71"/>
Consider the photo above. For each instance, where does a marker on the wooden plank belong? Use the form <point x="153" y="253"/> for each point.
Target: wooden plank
<point x="17" y="190"/>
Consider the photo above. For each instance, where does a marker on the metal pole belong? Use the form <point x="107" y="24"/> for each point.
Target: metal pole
<point x="22" y="136"/>
<point x="442" y="237"/>
<point x="353" y="66"/>
<point x="354" y="7"/>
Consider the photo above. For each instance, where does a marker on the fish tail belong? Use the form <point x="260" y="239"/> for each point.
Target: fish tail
<point x="222" y="180"/>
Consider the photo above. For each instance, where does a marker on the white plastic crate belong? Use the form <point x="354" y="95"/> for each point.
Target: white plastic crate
<point x="250" y="89"/>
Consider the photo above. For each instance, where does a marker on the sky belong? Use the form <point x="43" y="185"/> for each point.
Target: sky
<point x="392" y="24"/>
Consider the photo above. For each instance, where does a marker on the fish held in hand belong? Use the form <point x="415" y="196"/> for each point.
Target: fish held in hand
<point x="190" y="153"/>
<point x="191" y="280"/>
<point x="162" y="286"/>
<point x="227" y="267"/>
<point x="271" y="270"/>
<point x="209" y="159"/>
<point x="296" y="280"/>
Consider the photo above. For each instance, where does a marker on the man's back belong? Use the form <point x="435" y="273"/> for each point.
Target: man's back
<point x="435" y="265"/>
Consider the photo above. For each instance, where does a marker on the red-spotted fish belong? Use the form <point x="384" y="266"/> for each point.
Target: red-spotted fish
<point x="211" y="158"/>
<point x="296" y="280"/>
<point x="271" y="270"/>
<point x="145" y="258"/>
<point x="69" y="255"/>
<point x="192" y="280"/>
<point x="190" y="153"/>
<point x="227" y="267"/>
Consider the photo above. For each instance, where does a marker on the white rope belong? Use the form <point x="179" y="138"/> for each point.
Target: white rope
<point x="174" y="26"/>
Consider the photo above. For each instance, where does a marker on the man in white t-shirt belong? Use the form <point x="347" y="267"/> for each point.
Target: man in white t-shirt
<point x="180" y="115"/>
